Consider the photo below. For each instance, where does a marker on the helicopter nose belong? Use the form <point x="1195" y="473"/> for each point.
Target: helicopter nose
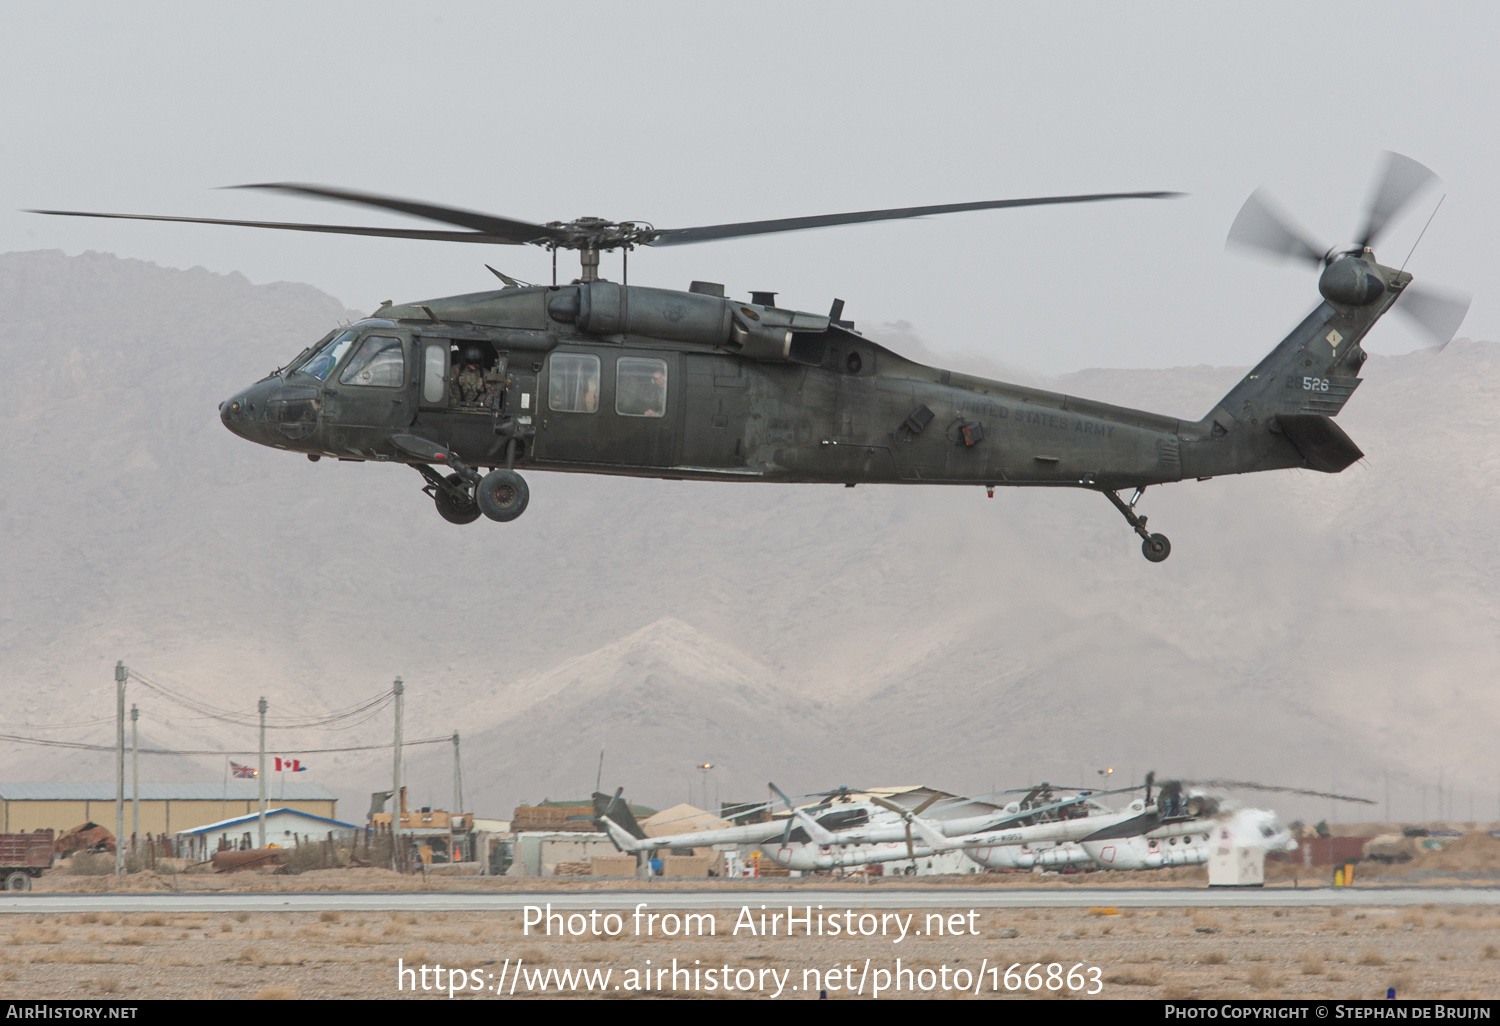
<point x="245" y="412"/>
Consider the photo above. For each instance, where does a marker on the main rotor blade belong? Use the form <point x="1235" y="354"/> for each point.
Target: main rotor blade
<point x="1248" y="785"/>
<point x="1400" y="180"/>
<point x="331" y="229"/>
<point x="1260" y="224"/>
<point x="1438" y="314"/>
<point x="708" y="233"/>
<point x="489" y="224"/>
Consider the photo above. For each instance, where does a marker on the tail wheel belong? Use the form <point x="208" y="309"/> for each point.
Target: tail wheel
<point x="502" y="495"/>
<point x="1156" y="548"/>
<point x="453" y="509"/>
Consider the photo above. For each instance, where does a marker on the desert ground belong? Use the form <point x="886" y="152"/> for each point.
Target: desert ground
<point x="1185" y="954"/>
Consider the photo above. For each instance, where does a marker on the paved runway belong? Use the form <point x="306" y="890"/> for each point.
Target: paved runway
<point x="875" y="897"/>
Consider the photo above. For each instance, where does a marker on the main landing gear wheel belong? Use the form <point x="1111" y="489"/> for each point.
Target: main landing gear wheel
<point x="502" y="495"/>
<point x="18" y="881"/>
<point x="1154" y="547"/>
<point x="453" y="509"/>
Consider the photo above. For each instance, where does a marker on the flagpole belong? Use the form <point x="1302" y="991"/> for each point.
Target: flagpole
<point x="224" y="795"/>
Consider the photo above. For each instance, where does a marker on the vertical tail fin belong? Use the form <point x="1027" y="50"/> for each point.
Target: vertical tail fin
<point x="1279" y="415"/>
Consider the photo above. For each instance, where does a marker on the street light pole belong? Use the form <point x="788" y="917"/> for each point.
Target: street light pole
<point x="400" y="690"/>
<point x="458" y="778"/>
<point x="135" y="776"/>
<point x="704" y="767"/>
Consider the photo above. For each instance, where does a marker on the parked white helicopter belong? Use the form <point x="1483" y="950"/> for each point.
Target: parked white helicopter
<point x="1039" y="830"/>
<point x="827" y="850"/>
<point x="1188" y="822"/>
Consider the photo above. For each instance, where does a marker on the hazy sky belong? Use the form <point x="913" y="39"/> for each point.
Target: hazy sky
<point x="686" y="114"/>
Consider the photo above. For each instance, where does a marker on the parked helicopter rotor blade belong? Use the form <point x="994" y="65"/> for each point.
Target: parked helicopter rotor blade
<point x="1399" y="181"/>
<point x="911" y="848"/>
<point x="709" y="233"/>
<point x="791" y="820"/>
<point x="925" y="804"/>
<point x="430" y="235"/>
<point x="489" y="224"/>
<point x="1439" y="314"/>
<point x="1250" y="785"/>
<point x="1262" y="225"/>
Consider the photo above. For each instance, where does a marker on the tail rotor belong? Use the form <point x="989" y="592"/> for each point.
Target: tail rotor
<point x="1262" y="225"/>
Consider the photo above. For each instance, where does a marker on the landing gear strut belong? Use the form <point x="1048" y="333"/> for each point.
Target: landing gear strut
<point x="452" y="495"/>
<point x="1154" y="547"/>
<point x="463" y="495"/>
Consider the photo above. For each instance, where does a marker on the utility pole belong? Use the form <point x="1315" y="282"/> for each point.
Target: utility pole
<point x="260" y="774"/>
<point x="135" y="776"/>
<point x="400" y="689"/>
<point x="120" y="768"/>
<point x="458" y="779"/>
<point x="1387" y="796"/>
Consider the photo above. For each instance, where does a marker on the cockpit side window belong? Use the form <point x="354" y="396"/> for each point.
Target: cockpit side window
<point x="379" y="362"/>
<point x="328" y="357"/>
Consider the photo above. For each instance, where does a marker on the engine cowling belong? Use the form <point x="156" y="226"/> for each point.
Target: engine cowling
<point x="608" y="308"/>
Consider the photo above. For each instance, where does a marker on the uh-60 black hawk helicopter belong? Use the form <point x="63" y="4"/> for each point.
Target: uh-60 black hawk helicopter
<point x="609" y="378"/>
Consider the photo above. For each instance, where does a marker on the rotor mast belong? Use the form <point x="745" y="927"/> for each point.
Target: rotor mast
<point x="588" y="259"/>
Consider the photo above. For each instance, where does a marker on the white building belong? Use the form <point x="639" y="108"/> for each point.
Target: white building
<point x="283" y="827"/>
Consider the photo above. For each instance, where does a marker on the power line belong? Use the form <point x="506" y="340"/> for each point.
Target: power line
<point x="367" y="708"/>
<point x="82" y="746"/>
<point x="67" y="726"/>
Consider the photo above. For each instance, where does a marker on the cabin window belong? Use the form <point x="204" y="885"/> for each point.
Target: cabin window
<point x="573" y="383"/>
<point x="329" y="356"/>
<point x="378" y="362"/>
<point x="640" y="387"/>
<point x="434" y="373"/>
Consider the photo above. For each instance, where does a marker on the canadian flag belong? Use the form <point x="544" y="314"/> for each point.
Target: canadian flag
<point x="289" y="765"/>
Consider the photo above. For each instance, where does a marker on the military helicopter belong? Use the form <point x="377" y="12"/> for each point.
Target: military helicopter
<point x="608" y="378"/>
<point x="1188" y="818"/>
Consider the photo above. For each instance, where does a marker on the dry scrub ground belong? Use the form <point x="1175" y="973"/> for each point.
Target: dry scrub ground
<point x="1219" y="953"/>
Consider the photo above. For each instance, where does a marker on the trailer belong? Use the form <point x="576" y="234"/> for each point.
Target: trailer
<point x="23" y="857"/>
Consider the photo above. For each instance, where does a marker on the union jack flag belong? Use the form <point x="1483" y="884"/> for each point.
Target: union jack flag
<point x="244" y="772"/>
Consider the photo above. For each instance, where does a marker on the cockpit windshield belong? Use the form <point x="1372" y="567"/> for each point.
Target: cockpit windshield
<point x="328" y="355"/>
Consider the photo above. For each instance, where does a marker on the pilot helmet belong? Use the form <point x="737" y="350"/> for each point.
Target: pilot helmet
<point x="473" y="354"/>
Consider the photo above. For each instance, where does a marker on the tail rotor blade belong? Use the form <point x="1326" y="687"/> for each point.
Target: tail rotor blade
<point x="1438" y="314"/>
<point x="1400" y="179"/>
<point x="1260" y="224"/>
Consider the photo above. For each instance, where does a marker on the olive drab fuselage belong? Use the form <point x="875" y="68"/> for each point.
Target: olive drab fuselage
<point x="597" y="377"/>
<point x="830" y="407"/>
